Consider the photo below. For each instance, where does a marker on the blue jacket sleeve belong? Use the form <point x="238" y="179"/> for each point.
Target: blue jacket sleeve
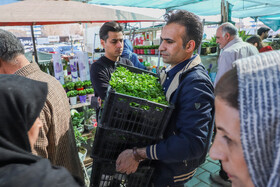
<point x="191" y="117"/>
<point x="136" y="62"/>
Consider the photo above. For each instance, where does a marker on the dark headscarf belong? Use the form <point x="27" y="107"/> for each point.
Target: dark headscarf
<point x="22" y="100"/>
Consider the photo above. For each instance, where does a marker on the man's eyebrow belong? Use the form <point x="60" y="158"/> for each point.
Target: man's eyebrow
<point x="166" y="39"/>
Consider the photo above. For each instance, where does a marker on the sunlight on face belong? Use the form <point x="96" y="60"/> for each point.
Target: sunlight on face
<point x="227" y="145"/>
<point x="113" y="45"/>
<point x="34" y="132"/>
<point x="171" y="48"/>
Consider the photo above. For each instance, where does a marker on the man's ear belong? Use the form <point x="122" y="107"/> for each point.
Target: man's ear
<point x="102" y="43"/>
<point x="190" y="46"/>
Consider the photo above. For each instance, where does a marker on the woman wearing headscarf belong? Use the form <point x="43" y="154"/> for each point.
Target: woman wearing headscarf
<point x="21" y="102"/>
<point x="129" y="54"/>
<point x="247" y="106"/>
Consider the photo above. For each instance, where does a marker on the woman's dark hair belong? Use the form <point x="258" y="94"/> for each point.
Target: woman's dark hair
<point x="109" y="26"/>
<point x="190" y="21"/>
<point x="227" y="88"/>
<point x="255" y="39"/>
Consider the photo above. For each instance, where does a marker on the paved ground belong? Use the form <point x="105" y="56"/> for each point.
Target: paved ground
<point x="202" y="176"/>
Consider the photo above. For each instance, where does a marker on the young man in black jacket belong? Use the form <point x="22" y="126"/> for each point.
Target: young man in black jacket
<point x="111" y="37"/>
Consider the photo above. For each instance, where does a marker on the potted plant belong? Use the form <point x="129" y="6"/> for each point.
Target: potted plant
<point x="90" y="94"/>
<point x="72" y="96"/>
<point x="70" y="86"/>
<point x="79" y="85"/>
<point x="80" y="140"/>
<point x="213" y="47"/>
<point x="204" y="47"/>
<point x="82" y="96"/>
<point x="87" y="84"/>
<point x="97" y="49"/>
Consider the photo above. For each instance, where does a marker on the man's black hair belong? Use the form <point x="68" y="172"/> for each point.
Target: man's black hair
<point x="112" y="26"/>
<point x="190" y="21"/>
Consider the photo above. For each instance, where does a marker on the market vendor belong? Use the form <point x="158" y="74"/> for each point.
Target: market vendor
<point x="187" y="86"/>
<point x="111" y="37"/>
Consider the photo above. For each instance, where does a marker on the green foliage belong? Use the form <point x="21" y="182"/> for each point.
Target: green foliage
<point x="77" y="119"/>
<point x="205" y="44"/>
<point x="213" y="39"/>
<point x="89" y="91"/>
<point x="82" y="92"/>
<point x="243" y="35"/>
<point x="138" y="85"/>
<point x="70" y="85"/>
<point x="87" y="83"/>
<point x="79" y="138"/>
<point x="275" y="44"/>
<point x="72" y="93"/>
<point x="79" y="84"/>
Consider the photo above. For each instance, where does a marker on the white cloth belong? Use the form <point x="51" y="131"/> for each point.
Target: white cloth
<point x="259" y="104"/>
<point x="234" y="50"/>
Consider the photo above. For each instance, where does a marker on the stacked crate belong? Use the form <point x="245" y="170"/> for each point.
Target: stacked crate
<point x="123" y="126"/>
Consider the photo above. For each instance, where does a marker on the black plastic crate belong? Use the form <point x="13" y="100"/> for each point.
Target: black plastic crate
<point x="108" y="144"/>
<point x="104" y="174"/>
<point x="136" y="70"/>
<point x="134" y="115"/>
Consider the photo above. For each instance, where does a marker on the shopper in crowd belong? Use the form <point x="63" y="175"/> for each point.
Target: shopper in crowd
<point x="129" y="54"/>
<point x="187" y="86"/>
<point x="247" y="118"/>
<point x="56" y="139"/>
<point x="263" y="32"/>
<point x="257" y="42"/>
<point x="232" y="48"/>
<point x="22" y="100"/>
<point x="111" y="38"/>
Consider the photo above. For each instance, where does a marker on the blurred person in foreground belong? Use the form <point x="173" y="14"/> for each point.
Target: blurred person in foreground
<point x="257" y="42"/>
<point x="129" y="54"/>
<point x="56" y="139"/>
<point x="186" y="85"/>
<point x="21" y="105"/>
<point x="247" y="118"/>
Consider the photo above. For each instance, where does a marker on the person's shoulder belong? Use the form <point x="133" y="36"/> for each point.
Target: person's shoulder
<point x="197" y="73"/>
<point x="125" y="61"/>
<point x="99" y="64"/>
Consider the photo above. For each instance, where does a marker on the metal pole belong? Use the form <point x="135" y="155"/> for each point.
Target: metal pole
<point x="34" y="45"/>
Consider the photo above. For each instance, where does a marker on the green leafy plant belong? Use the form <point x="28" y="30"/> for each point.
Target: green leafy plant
<point x="89" y="91"/>
<point x="77" y="119"/>
<point x="143" y="85"/>
<point x="243" y="35"/>
<point x="205" y="44"/>
<point x="72" y="93"/>
<point x="82" y="92"/>
<point x="79" y="138"/>
<point x="79" y="84"/>
<point x="275" y="44"/>
<point x="70" y="85"/>
<point x="87" y="84"/>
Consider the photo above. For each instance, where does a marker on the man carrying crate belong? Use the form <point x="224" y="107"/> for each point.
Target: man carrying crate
<point x="188" y="87"/>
